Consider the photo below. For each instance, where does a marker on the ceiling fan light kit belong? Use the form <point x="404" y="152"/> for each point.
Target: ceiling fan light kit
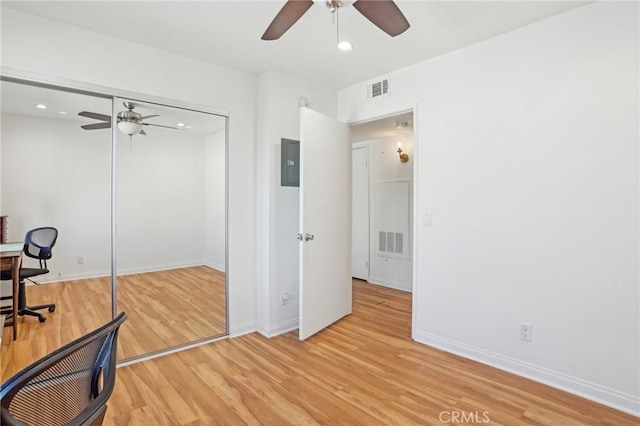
<point x="384" y="14"/>
<point x="129" y="127"/>
<point x="129" y="121"/>
<point x="345" y="46"/>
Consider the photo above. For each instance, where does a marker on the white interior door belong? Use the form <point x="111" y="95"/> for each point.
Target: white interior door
<point x="360" y="213"/>
<point x="325" y="222"/>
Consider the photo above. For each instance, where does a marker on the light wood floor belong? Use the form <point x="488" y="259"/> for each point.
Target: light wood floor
<point x="170" y="308"/>
<point x="165" y="309"/>
<point x="363" y="370"/>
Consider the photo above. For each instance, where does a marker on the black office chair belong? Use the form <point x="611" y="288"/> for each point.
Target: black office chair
<point x="37" y="244"/>
<point x="70" y="386"/>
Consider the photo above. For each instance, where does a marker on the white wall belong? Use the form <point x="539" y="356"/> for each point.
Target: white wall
<point x="385" y="166"/>
<point x="527" y="157"/>
<point x="278" y="207"/>
<point x="214" y="192"/>
<point x="37" y="45"/>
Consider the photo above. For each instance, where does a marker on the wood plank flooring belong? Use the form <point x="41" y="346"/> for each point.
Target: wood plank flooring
<point x="165" y="309"/>
<point x="363" y="370"/>
<point x="170" y="308"/>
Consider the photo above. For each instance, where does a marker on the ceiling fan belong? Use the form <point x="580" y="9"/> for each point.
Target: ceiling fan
<point x="384" y="14"/>
<point x="129" y="121"/>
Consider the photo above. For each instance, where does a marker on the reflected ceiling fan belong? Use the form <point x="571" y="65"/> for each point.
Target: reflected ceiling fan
<point x="129" y="121"/>
<point x="384" y="14"/>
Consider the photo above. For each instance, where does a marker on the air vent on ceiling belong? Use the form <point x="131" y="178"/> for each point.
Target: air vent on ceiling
<point x="378" y="88"/>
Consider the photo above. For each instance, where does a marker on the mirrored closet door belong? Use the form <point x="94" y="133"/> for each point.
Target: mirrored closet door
<point x="142" y="220"/>
<point x="171" y="244"/>
<point x="56" y="174"/>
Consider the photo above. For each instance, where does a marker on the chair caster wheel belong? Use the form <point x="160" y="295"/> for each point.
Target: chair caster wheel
<point x="42" y="319"/>
<point x="51" y="308"/>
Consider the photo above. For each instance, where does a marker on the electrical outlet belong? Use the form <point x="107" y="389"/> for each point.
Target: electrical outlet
<point x="284" y="299"/>
<point x="80" y="260"/>
<point x="526" y="331"/>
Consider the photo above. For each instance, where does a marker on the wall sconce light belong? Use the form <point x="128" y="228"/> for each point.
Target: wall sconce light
<point x="404" y="157"/>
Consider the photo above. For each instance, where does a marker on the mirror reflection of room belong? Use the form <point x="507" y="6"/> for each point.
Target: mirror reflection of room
<point x="171" y="227"/>
<point x="55" y="189"/>
<point x="170" y="218"/>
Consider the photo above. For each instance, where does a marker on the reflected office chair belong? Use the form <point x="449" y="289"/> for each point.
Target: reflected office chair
<point x="70" y="386"/>
<point x="37" y="244"/>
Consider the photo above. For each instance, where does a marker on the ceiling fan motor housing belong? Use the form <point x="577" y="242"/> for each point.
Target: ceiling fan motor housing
<point x="333" y="4"/>
<point x="129" y="116"/>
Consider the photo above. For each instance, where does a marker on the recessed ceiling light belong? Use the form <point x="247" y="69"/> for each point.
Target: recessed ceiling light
<point x="62" y="112"/>
<point x="189" y="127"/>
<point x="345" y="46"/>
<point x="41" y="106"/>
<point x="180" y="124"/>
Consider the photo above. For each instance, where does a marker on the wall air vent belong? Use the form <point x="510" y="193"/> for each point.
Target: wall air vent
<point x="399" y="243"/>
<point x="390" y="242"/>
<point x="378" y="88"/>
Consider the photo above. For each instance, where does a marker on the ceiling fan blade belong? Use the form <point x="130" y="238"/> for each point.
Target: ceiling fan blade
<point x="384" y="14"/>
<point x="142" y="132"/>
<point x="149" y="116"/>
<point x="95" y="116"/>
<point x="104" y="125"/>
<point x="160" y="125"/>
<point x="288" y="15"/>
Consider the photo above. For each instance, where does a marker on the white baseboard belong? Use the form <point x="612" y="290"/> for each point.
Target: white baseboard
<point x="592" y="391"/>
<point x="391" y="284"/>
<point x="242" y="329"/>
<point x="283" y="327"/>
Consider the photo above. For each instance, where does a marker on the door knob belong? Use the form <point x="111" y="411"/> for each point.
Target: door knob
<point x="308" y="237"/>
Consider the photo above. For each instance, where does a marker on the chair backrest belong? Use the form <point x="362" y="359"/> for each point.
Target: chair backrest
<point x="39" y="241"/>
<point x="70" y="386"/>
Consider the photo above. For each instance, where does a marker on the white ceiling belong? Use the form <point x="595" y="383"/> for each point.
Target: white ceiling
<point x="384" y="128"/>
<point x="228" y="32"/>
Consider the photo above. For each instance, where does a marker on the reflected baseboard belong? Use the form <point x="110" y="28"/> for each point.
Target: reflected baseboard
<point x="214" y="265"/>
<point x="59" y="277"/>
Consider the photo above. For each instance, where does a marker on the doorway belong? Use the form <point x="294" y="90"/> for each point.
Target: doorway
<point x="382" y="179"/>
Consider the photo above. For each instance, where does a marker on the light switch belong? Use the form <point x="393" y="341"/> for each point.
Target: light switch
<point x="426" y="218"/>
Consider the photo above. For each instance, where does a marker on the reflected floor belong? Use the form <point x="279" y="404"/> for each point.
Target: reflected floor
<point x="165" y="309"/>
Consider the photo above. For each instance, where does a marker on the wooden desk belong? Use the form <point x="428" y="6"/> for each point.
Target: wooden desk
<point x="10" y="258"/>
